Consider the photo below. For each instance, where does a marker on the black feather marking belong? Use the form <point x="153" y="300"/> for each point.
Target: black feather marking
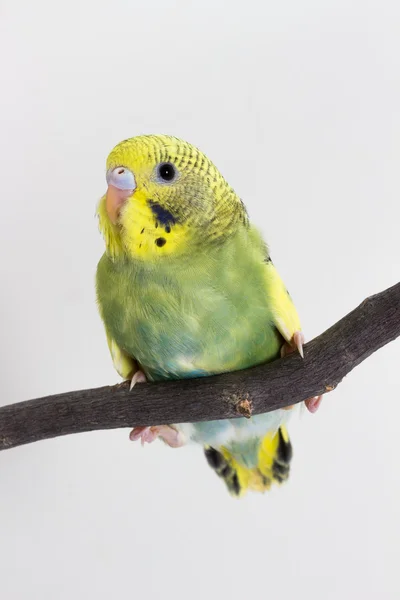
<point x="224" y="469"/>
<point x="164" y="216"/>
<point x="285" y="451"/>
<point x="280" y="469"/>
<point x="267" y="258"/>
<point x="214" y="458"/>
<point x="235" y="485"/>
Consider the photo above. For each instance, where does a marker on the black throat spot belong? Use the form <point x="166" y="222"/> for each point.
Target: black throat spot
<point x="163" y="216"/>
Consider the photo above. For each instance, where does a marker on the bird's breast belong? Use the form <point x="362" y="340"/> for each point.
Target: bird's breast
<point x="179" y="325"/>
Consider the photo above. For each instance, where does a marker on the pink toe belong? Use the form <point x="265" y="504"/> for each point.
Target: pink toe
<point x="136" y="433"/>
<point x="147" y="436"/>
<point x="313" y="403"/>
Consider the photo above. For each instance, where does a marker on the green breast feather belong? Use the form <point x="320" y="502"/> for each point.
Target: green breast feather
<point x="206" y="315"/>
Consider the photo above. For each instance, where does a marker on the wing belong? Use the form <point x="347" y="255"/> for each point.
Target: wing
<point x="286" y="320"/>
<point x="124" y="364"/>
<point x="283" y="310"/>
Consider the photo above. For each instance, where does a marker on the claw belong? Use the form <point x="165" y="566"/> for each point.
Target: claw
<point x="298" y="340"/>
<point x="313" y="403"/>
<point x="138" y="377"/>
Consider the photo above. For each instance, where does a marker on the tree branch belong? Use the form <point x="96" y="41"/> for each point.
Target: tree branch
<point x="327" y="359"/>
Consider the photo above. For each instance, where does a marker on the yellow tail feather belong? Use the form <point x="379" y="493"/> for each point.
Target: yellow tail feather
<point x="273" y="466"/>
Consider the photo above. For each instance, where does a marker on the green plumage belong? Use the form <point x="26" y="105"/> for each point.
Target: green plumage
<point x="186" y="289"/>
<point x="207" y="314"/>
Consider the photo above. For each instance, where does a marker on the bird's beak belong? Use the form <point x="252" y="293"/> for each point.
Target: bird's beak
<point x="115" y="198"/>
<point x="121" y="186"/>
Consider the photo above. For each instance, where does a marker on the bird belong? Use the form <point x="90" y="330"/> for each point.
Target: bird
<point x="187" y="288"/>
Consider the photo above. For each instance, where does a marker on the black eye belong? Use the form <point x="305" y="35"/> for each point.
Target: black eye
<point x="166" y="172"/>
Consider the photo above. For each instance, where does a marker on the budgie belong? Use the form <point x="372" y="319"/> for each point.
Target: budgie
<point x="187" y="288"/>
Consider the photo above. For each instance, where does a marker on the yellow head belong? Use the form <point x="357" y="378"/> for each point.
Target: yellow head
<point x="164" y="198"/>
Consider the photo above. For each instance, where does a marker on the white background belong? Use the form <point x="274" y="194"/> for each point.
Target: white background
<point x="297" y="102"/>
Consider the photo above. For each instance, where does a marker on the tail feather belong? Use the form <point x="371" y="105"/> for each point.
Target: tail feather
<point x="224" y="468"/>
<point x="273" y="465"/>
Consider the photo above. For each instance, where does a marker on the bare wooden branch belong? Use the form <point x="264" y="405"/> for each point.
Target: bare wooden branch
<point x="327" y="359"/>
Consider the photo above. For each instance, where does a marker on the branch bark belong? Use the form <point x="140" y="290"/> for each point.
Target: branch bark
<point x="327" y="359"/>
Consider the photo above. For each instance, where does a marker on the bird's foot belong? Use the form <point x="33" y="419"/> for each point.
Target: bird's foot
<point x="168" y="434"/>
<point x="297" y="342"/>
